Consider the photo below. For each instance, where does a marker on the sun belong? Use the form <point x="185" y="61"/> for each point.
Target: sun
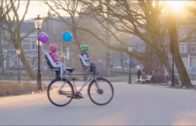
<point x="177" y="6"/>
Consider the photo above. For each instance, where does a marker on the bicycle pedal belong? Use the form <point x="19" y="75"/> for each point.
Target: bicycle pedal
<point x="78" y="96"/>
<point x="61" y="92"/>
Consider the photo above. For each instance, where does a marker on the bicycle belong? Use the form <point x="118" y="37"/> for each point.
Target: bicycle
<point x="61" y="91"/>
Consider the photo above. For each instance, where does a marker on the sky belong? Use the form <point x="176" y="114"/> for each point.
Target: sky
<point x="39" y="8"/>
<point x="36" y="8"/>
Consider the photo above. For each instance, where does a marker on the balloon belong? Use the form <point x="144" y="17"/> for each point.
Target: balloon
<point x="43" y="37"/>
<point x="67" y="36"/>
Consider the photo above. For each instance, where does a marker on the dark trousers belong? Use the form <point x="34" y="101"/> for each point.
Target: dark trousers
<point x="92" y="67"/>
<point x="138" y="77"/>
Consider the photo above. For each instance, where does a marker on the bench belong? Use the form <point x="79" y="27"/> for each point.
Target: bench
<point x="147" y="79"/>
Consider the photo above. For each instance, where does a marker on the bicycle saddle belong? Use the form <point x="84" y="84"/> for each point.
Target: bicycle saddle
<point x="70" y="69"/>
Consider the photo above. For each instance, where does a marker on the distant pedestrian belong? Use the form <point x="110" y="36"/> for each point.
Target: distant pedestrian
<point x="139" y="73"/>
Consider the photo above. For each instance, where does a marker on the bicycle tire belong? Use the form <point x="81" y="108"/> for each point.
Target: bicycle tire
<point x="105" y="88"/>
<point x="59" y="97"/>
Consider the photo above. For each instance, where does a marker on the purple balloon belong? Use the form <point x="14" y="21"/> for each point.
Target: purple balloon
<point x="43" y="37"/>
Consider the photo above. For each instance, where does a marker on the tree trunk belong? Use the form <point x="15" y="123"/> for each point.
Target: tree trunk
<point x="1" y="53"/>
<point x="155" y="61"/>
<point x="23" y="58"/>
<point x="158" y="69"/>
<point x="154" y="66"/>
<point x="184" y="78"/>
<point x="108" y="38"/>
<point x="148" y="61"/>
<point x="27" y="66"/>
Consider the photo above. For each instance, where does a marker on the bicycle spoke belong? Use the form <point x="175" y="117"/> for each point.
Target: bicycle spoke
<point x="101" y="93"/>
<point x="60" y="92"/>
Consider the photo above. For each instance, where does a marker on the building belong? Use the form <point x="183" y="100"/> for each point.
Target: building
<point x="188" y="48"/>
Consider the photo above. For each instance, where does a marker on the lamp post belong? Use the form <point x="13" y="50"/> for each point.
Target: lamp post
<point x="38" y="25"/>
<point x="18" y="54"/>
<point x="130" y="49"/>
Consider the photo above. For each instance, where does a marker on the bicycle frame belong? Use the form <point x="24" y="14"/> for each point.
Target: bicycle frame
<point x="88" y="81"/>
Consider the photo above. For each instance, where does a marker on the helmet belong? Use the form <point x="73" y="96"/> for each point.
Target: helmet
<point x="53" y="47"/>
<point x="83" y="47"/>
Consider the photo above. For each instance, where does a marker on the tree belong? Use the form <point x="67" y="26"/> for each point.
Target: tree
<point x="2" y="18"/>
<point x="1" y="47"/>
<point x="12" y="26"/>
<point x="70" y="8"/>
<point x="143" y="19"/>
<point x="184" y="78"/>
<point x="139" y="18"/>
<point x="67" y="8"/>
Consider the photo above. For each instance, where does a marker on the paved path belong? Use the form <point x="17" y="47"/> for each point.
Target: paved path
<point x="132" y="105"/>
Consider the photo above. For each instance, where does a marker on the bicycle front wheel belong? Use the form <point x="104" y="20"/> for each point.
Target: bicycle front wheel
<point x="100" y="91"/>
<point x="60" y="92"/>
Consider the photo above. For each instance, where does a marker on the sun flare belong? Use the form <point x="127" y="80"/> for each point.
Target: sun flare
<point x="177" y="5"/>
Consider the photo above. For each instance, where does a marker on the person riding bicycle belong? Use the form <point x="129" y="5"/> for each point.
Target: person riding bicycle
<point x="52" y="52"/>
<point x="85" y="58"/>
<point x="100" y="90"/>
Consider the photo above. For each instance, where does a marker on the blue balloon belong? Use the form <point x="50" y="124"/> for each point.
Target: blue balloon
<point x="67" y="36"/>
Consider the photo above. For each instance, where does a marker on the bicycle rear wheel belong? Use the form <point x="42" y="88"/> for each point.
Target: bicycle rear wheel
<point x="102" y="92"/>
<point x="60" y="92"/>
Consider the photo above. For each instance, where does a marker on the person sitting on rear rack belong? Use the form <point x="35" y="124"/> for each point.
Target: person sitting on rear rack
<point x="52" y="52"/>
<point x="85" y="59"/>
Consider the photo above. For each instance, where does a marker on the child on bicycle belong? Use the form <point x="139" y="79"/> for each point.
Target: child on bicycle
<point x="85" y="59"/>
<point x="52" y="52"/>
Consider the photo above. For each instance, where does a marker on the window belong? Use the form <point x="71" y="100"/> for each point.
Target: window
<point x="33" y="46"/>
<point x="193" y="49"/>
<point x="25" y="46"/>
<point x="183" y="48"/>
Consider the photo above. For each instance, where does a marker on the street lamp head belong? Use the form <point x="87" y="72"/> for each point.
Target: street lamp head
<point x="38" y="22"/>
<point x="38" y="43"/>
<point x="18" y="51"/>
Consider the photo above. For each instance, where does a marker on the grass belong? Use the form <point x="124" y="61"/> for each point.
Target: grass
<point x="8" y="88"/>
<point x="121" y="78"/>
